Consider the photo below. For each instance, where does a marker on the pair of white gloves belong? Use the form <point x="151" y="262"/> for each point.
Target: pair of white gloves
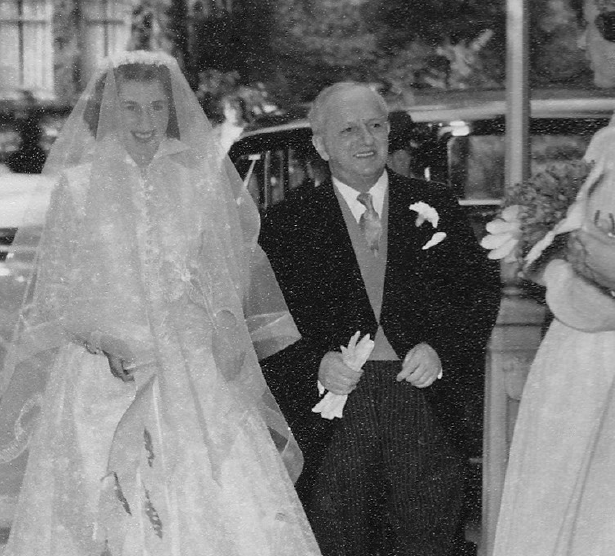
<point x="354" y="355"/>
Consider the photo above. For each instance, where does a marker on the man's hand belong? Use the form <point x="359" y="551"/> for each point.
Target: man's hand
<point x="592" y="254"/>
<point x="336" y="376"/>
<point x="421" y="366"/>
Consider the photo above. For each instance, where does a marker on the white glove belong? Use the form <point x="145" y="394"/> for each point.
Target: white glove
<point x="354" y="355"/>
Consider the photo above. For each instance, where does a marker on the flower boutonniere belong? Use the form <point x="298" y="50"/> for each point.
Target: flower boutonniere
<point x="427" y="213"/>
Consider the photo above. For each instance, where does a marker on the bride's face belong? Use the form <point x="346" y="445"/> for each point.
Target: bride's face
<point x="145" y="117"/>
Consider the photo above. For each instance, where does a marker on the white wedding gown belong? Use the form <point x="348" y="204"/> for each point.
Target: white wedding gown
<point x="559" y="497"/>
<point x="559" y="494"/>
<point x="176" y="463"/>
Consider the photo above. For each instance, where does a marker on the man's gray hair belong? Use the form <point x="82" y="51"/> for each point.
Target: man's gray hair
<point x="317" y="114"/>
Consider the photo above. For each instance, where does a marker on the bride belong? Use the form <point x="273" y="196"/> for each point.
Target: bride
<point x="559" y="494"/>
<point x="132" y="383"/>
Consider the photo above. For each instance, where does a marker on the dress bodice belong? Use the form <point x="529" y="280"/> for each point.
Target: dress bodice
<point x="572" y="299"/>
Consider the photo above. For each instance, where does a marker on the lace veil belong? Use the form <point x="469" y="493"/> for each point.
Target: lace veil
<point x="82" y="270"/>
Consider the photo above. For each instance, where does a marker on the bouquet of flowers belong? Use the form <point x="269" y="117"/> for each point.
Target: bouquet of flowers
<point x="537" y="213"/>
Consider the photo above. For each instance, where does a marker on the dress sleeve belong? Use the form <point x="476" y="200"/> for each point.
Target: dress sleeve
<point x="575" y="301"/>
<point x="54" y="272"/>
<point x="43" y="330"/>
<point x="600" y="147"/>
<point x="60" y="229"/>
<point x="269" y="322"/>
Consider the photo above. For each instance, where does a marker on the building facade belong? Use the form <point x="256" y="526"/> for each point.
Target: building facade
<point x="50" y="47"/>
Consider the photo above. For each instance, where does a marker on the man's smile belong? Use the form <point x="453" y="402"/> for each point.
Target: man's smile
<point x="367" y="154"/>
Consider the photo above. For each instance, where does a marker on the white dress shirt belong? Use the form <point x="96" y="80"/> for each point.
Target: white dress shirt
<point x="377" y="191"/>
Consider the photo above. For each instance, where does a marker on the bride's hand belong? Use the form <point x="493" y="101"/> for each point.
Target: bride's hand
<point x="120" y="357"/>
<point x="120" y="368"/>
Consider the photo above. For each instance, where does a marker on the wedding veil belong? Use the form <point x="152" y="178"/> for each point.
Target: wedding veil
<point x="80" y="277"/>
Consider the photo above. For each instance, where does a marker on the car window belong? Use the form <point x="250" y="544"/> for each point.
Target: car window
<point x="258" y="169"/>
<point x="476" y="162"/>
<point x="306" y="168"/>
<point x="277" y="178"/>
<point x="251" y="169"/>
<point x="280" y="171"/>
<point x="300" y="170"/>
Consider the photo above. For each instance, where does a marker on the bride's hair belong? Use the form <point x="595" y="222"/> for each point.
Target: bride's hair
<point x="140" y="72"/>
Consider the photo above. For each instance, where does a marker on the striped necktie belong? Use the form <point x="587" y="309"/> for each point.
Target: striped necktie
<point x="370" y="222"/>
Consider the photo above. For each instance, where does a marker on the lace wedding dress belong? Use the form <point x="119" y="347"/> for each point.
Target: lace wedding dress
<point x="114" y="470"/>
<point x="192" y="457"/>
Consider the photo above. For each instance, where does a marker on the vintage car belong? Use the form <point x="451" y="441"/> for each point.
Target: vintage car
<point x="459" y="139"/>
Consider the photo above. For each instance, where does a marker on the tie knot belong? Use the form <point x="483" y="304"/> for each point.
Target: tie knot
<point x="366" y="200"/>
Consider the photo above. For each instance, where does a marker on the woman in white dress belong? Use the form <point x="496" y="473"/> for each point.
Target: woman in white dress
<point x="559" y="495"/>
<point x="132" y="384"/>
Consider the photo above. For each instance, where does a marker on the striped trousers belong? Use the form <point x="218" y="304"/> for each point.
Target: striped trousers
<point x="390" y="483"/>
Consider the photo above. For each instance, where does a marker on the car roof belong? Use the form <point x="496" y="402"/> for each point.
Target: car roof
<point x="446" y="106"/>
<point x="544" y="103"/>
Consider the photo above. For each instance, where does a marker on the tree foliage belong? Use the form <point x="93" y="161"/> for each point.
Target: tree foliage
<point x="232" y="40"/>
<point x="293" y="48"/>
<point x="402" y="22"/>
<point x="320" y="41"/>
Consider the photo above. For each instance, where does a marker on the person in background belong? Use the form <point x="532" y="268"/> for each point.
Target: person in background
<point x="402" y="145"/>
<point x="592" y="249"/>
<point x="373" y="252"/>
<point x="30" y="157"/>
<point x="559" y="493"/>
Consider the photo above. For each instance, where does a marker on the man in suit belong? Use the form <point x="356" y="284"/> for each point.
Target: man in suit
<point x="386" y="478"/>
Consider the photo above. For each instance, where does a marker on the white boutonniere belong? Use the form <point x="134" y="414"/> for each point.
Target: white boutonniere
<point x="427" y="213"/>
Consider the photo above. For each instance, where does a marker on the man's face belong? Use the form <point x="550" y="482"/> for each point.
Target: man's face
<point x="355" y="137"/>
<point x="145" y="117"/>
<point x="599" y="52"/>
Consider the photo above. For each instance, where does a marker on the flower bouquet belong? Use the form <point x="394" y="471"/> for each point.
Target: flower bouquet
<point x="537" y="214"/>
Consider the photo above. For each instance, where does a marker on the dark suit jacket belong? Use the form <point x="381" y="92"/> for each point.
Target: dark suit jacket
<point x="446" y="296"/>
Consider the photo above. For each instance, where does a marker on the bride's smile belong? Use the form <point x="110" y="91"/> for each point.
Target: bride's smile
<point x="145" y="117"/>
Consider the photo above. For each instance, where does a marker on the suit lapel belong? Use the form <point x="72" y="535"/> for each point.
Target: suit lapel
<point x="406" y="260"/>
<point x="329" y="227"/>
<point x="404" y="237"/>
